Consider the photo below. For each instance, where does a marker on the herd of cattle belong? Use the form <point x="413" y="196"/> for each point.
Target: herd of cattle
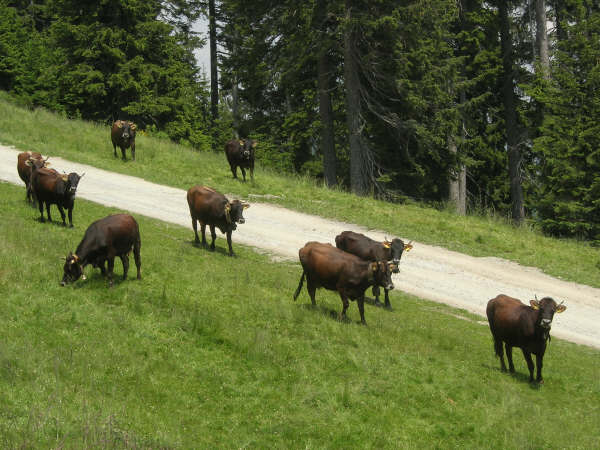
<point x="350" y="268"/>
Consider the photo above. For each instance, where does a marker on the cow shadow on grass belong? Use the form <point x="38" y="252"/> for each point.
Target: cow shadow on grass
<point x="218" y="250"/>
<point x="516" y="375"/>
<point x="328" y="312"/>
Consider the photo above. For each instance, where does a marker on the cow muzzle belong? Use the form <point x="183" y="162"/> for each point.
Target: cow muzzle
<point x="241" y="221"/>
<point x="396" y="263"/>
<point x="390" y="287"/>
<point x="546" y="323"/>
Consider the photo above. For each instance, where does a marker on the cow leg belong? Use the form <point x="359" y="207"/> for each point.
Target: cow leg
<point x="41" y="208"/>
<point x="203" y="229"/>
<point x="123" y="152"/>
<point x="103" y="268"/>
<point x="499" y="353"/>
<point x="125" y="261"/>
<point x="538" y="361"/>
<point x="48" y="211"/>
<point x="133" y="152"/>
<point x="375" y="292"/>
<point x="213" y="235"/>
<point x="234" y="170"/>
<point x="229" y="243"/>
<point x="71" y="217"/>
<point x="527" y="356"/>
<point x="361" y="308"/>
<point x="111" y="266"/>
<point x="311" y="287"/>
<point x="115" y="150"/>
<point x="195" y="228"/>
<point x="388" y="305"/>
<point x="138" y="258"/>
<point x="345" y="304"/>
<point x="252" y="172"/>
<point x="62" y="214"/>
<point x="511" y="366"/>
<point x="243" y="172"/>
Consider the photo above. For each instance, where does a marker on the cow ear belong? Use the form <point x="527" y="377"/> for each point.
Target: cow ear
<point x="393" y="267"/>
<point x="120" y="124"/>
<point x="245" y="205"/>
<point x="386" y="244"/>
<point x="408" y="247"/>
<point x="241" y="142"/>
<point x="254" y="144"/>
<point x="534" y="304"/>
<point x="133" y="127"/>
<point x="560" y="308"/>
<point x="373" y="267"/>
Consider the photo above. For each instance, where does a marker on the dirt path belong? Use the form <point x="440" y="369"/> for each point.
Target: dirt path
<point x="427" y="271"/>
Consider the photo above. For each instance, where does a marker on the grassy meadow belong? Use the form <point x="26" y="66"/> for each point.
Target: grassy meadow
<point x="164" y="162"/>
<point x="208" y="351"/>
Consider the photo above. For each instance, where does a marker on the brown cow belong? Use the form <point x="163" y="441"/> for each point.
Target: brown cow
<point x="51" y="187"/>
<point x="370" y="250"/>
<point x="122" y="134"/>
<point x="212" y="208"/>
<point x="103" y="240"/>
<point x="27" y="162"/>
<point x="326" y="266"/>
<point x="241" y="153"/>
<point x="519" y="325"/>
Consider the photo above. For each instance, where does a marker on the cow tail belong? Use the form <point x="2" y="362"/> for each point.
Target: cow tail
<point x="297" y="293"/>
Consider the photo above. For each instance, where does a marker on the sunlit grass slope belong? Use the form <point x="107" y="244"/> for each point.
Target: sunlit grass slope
<point x="208" y="351"/>
<point x="164" y="162"/>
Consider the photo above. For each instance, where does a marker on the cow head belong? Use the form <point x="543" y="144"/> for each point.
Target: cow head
<point x="247" y="148"/>
<point x="396" y="248"/>
<point x="234" y="212"/>
<point x="127" y="129"/>
<point x="381" y="272"/>
<point x="72" y="269"/>
<point x="546" y="307"/>
<point x="37" y="163"/>
<point x="70" y="183"/>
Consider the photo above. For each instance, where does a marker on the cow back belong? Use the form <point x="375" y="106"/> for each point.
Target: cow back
<point x="511" y="320"/>
<point x="362" y="246"/>
<point x="22" y="168"/>
<point x="115" y="234"/>
<point x="206" y="204"/>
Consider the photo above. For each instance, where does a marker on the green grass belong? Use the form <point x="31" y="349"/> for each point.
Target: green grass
<point x="210" y="351"/>
<point x="164" y="162"/>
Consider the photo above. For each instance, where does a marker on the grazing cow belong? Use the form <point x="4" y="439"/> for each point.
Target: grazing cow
<point x="105" y="239"/>
<point x="212" y="208"/>
<point x="370" y="250"/>
<point x="51" y="187"/>
<point x="241" y="153"/>
<point x="519" y="325"/>
<point x="122" y="135"/>
<point x="323" y="265"/>
<point x="27" y="162"/>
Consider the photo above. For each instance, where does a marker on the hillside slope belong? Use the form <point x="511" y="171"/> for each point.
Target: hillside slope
<point x="428" y="271"/>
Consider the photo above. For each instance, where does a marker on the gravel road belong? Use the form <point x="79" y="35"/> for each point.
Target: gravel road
<point x="427" y="271"/>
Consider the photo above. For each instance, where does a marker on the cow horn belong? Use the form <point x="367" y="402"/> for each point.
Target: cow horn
<point x="81" y="176"/>
<point x="228" y="212"/>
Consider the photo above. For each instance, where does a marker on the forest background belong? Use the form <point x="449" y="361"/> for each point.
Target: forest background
<point x="476" y="106"/>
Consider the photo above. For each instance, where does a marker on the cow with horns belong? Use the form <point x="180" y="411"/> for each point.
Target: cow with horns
<point x="324" y="265"/>
<point x="51" y="187"/>
<point x="518" y="325"/>
<point x="369" y="250"/>
<point x="27" y="163"/>
<point x="212" y="208"/>
<point x="104" y="240"/>
<point x="123" y="135"/>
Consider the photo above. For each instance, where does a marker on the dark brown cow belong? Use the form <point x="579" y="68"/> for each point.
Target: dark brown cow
<point x="212" y="208"/>
<point x="519" y="325"/>
<point x="122" y="135"/>
<point x="370" y="250"/>
<point x="241" y="153"/>
<point x="326" y="266"/>
<point x="27" y="162"/>
<point x="51" y="187"/>
<point x="105" y="239"/>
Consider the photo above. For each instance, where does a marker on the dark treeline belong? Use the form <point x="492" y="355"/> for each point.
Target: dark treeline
<point x="480" y="105"/>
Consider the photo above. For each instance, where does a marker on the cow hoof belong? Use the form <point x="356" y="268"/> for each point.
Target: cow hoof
<point x="389" y="307"/>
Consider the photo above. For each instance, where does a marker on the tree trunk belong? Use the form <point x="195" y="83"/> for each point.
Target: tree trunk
<point x="453" y="184"/>
<point x="510" y="115"/>
<point x="235" y="109"/>
<point x="541" y="37"/>
<point x="358" y="161"/>
<point x="325" y="109"/>
<point x="214" y="82"/>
